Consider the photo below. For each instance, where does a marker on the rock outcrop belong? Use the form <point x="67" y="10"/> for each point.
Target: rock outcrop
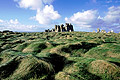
<point x="61" y="28"/>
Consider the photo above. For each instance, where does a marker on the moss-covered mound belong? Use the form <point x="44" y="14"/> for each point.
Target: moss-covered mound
<point x="35" y="47"/>
<point x="104" y="69"/>
<point x="21" y="46"/>
<point x="73" y="49"/>
<point x="25" y="67"/>
<point x="31" y="67"/>
<point x="77" y="69"/>
<point x="108" y="51"/>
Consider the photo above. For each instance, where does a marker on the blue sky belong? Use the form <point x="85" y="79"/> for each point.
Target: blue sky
<point x="38" y="15"/>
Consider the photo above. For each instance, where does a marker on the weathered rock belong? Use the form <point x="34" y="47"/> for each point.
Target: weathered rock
<point x="68" y="28"/>
<point x="98" y="30"/>
<point x="103" y="31"/>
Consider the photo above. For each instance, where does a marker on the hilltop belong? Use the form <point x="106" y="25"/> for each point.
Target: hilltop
<point x="59" y="56"/>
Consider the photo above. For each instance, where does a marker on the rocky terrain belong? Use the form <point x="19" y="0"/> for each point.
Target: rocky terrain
<point x="59" y="56"/>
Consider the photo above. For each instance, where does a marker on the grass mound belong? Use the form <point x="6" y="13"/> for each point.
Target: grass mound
<point x="110" y="46"/>
<point x="21" y="46"/>
<point x="35" y="47"/>
<point x="5" y="57"/>
<point x="104" y="69"/>
<point x="31" y="67"/>
<point x="6" y="69"/>
<point x="73" y="49"/>
<point x="7" y="54"/>
<point x="43" y="54"/>
<point x="109" y="51"/>
<point x="62" y="76"/>
<point x="50" y="44"/>
<point x="77" y="69"/>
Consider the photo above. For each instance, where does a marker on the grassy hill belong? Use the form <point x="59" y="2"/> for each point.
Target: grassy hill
<point x="60" y="56"/>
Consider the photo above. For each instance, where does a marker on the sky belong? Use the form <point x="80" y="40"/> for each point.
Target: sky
<point x="38" y="15"/>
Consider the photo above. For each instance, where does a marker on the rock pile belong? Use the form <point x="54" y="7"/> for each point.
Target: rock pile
<point x="103" y="31"/>
<point x="61" y="28"/>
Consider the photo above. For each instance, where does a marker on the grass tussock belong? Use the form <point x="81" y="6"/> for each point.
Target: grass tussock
<point x="21" y="46"/>
<point x="7" y="69"/>
<point x="105" y="51"/>
<point x="31" y="67"/>
<point x="35" y="47"/>
<point x="73" y="49"/>
<point x="104" y="69"/>
<point x="77" y="69"/>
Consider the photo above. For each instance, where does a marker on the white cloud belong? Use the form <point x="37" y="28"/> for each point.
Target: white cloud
<point x="1" y="21"/>
<point x="45" y="14"/>
<point x="91" y="19"/>
<point x="33" y="4"/>
<point x="14" y="25"/>
<point x="83" y="19"/>
<point x="20" y="27"/>
<point x="113" y="15"/>
<point x="14" y="21"/>
<point x="111" y="21"/>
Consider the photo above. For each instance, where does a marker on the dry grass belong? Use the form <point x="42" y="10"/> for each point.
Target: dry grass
<point x="21" y="46"/>
<point x="5" y="58"/>
<point x="101" y="68"/>
<point x="113" y="55"/>
<point x="35" y="47"/>
<point x="32" y="67"/>
<point x="62" y="76"/>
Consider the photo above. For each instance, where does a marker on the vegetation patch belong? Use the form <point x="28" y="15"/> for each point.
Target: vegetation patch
<point x="31" y="67"/>
<point x="59" y="56"/>
<point x="105" y="69"/>
<point x="35" y="47"/>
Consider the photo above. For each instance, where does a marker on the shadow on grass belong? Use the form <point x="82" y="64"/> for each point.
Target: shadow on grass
<point x="84" y="45"/>
<point x="8" y="68"/>
<point x="116" y="63"/>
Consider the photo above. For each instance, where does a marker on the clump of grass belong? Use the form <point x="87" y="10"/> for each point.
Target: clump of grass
<point x="104" y="51"/>
<point x="6" y="46"/>
<point x="111" y="46"/>
<point x="104" y="69"/>
<point x="77" y="70"/>
<point x="7" y="69"/>
<point x="35" y="47"/>
<point x="43" y="54"/>
<point x="5" y="57"/>
<point x="31" y="67"/>
<point x="21" y="46"/>
<point x="62" y="76"/>
<point x="73" y="49"/>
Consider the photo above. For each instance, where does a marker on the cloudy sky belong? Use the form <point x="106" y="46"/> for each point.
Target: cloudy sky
<point x="38" y="15"/>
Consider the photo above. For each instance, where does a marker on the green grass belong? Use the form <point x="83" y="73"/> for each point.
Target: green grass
<point x="60" y="56"/>
<point x="21" y="46"/>
<point x="31" y="67"/>
<point x="104" y="69"/>
<point x="105" y="51"/>
<point x="35" y="47"/>
<point x="77" y="70"/>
